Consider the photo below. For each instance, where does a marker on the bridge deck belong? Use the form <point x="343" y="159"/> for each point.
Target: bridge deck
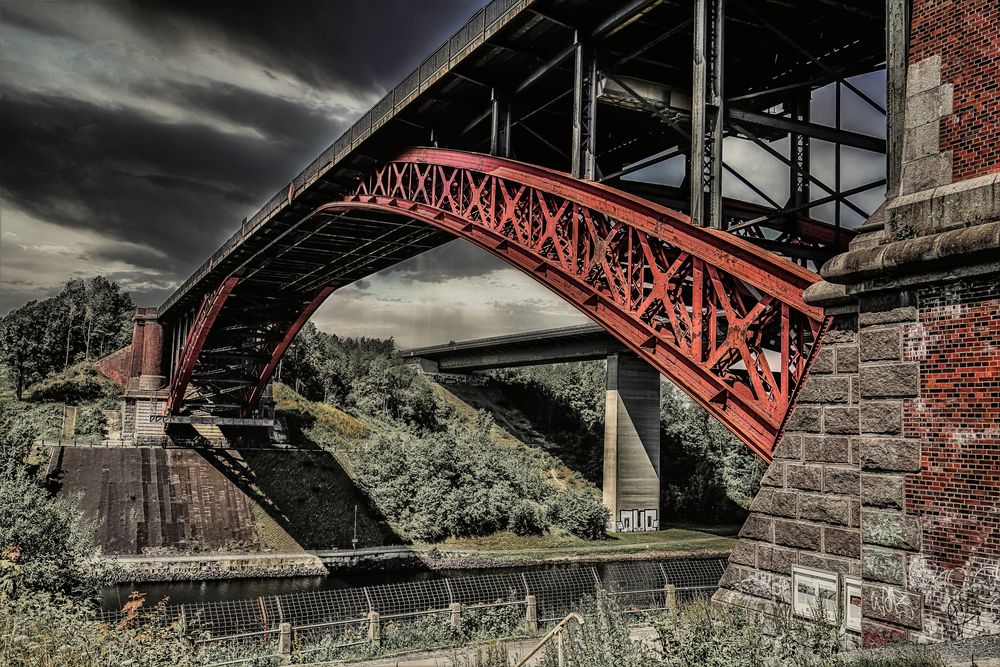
<point x="577" y="343"/>
<point x="525" y="47"/>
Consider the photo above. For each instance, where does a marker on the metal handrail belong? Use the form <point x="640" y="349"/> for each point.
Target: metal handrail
<point x="556" y="632"/>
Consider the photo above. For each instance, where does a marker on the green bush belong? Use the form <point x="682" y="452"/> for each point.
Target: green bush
<point x="75" y="385"/>
<point x="580" y="513"/>
<point x="54" y="544"/>
<point x="527" y="518"/>
<point x="91" y="423"/>
<point x="603" y="640"/>
<point x="460" y="482"/>
<point x="442" y="485"/>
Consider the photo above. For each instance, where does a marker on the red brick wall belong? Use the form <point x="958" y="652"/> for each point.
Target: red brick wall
<point x="117" y="366"/>
<point x="966" y="34"/>
<point x="957" y="418"/>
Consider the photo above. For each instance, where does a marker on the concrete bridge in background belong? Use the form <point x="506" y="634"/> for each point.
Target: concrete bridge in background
<point x="853" y="349"/>
<point x="631" y="480"/>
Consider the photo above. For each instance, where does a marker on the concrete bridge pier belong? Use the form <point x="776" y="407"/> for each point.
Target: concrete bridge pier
<point x="632" y="443"/>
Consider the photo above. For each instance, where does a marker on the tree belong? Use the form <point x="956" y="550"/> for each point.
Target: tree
<point x="21" y="351"/>
<point x="44" y="337"/>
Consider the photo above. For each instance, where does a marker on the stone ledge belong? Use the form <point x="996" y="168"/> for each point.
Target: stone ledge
<point x="945" y="250"/>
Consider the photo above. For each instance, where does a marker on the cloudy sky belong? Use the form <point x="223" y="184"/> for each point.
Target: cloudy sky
<point x="136" y="135"/>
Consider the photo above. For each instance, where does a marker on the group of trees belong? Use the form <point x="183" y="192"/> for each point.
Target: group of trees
<point x="85" y="321"/>
<point x="357" y="374"/>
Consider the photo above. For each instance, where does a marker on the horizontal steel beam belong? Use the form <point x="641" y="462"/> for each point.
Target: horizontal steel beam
<point x="811" y="130"/>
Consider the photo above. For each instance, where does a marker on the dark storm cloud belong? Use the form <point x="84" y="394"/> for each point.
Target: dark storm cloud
<point x="158" y="126"/>
<point x="368" y="44"/>
<point x="177" y="187"/>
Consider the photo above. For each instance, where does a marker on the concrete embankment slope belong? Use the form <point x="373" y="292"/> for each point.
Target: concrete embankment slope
<point x="214" y="513"/>
<point x="148" y="499"/>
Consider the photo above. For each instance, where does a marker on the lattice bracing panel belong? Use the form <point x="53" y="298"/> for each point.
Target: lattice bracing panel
<point x="721" y="318"/>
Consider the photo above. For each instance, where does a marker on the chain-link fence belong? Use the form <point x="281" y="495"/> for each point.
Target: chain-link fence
<point x="355" y="615"/>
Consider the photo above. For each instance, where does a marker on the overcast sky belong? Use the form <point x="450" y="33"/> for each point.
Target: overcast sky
<point x="136" y="136"/>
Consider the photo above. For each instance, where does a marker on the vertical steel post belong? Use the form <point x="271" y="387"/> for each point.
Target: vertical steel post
<point x="836" y="158"/>
<point x="500" y="125"/>
<point x="584" y="154"/>
<point x="699" y="81"/>
<point x="896" y="43"/>
<point x="798" y="148"/>
<point x="716" y="219"/>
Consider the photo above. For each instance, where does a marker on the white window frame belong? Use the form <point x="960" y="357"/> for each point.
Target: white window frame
<point x="819" y="580"/>
<point x="852" y="586"/>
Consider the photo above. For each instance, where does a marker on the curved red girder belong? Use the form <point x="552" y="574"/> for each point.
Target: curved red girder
<point x="210" y="308"/>
<point x="720" y="317"/>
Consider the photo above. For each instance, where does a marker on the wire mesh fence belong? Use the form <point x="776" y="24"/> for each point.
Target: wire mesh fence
<point x="347" y="613"/>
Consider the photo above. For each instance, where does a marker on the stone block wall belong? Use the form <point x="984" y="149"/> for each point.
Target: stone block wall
<point x="888" y="379"/>
<point x="808" y="511"/>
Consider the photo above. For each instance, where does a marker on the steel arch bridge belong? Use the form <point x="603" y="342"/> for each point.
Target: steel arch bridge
<point x="722" y="318"/>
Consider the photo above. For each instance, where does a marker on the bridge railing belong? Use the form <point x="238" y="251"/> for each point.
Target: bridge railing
<point x="449" y="607"/>
<point x="475" y="31"/>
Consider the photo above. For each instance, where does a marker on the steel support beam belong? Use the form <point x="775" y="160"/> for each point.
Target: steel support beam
<point x="896" y="45"/>
<point x="584" y="153"/>
<point x="707" y="114"/>
<point x="716" y="97"/>
<point x="699" y="84"/>
<point x="500" y="126"/>
<point x="807" y="129"/>
<point x="798" y="150"/>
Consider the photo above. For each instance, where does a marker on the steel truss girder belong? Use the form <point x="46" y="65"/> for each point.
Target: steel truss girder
<point x="204" y="321"/>
<point x="721" y="318"/>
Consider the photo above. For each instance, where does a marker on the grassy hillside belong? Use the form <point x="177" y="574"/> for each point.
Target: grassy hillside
<point x="463" y="475"/>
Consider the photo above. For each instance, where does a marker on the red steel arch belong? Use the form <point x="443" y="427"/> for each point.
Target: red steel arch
<point x="721" y="318"/>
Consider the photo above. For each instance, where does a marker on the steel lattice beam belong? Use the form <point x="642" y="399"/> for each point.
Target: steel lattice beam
<point x="720" y="317"/>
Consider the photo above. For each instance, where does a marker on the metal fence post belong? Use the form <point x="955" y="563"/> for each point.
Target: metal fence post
<point x="285" y="639"/>
<point x="456" y="613"/>
<point x="670" y="596"/>
<point x="531" y="612"/>
<point x="374" y="628"/>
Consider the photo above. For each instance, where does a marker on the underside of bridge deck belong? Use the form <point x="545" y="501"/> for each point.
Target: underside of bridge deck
<point x="601" y="91"/>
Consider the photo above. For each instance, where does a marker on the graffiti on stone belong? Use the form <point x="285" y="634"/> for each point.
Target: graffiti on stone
<point x="883" y="529"/>
<point x="891" y="604"/>
<point x="764" y="585"/>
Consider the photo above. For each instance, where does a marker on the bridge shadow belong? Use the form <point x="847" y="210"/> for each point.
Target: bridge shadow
<point x="302" y="488"/>
<point x="536" y="416"/>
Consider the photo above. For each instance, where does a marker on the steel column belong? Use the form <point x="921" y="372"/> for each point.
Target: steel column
<point x="500" y="112"/>
<point x="699" y="86"/>
<point x="798" y="150"/>
<point x="584" y="154"/>
<point x="707" y="114"/>
<point x="897" y="41"/>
